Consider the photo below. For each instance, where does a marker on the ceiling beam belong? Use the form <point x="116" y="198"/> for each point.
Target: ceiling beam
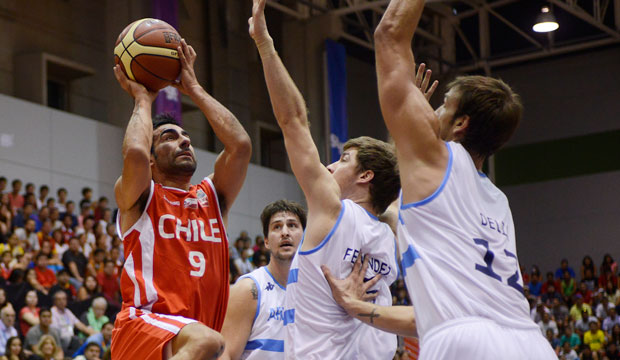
<point x="285" y="9"/>
<point x="583" y="15"/>
<point x="360" y="6"/>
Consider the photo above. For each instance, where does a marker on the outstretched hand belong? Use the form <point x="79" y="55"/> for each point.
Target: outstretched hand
<point x="187" y="81"/>
<point x="423" y="79"/>
<point x="257" y="23"/>
<point x="136" y="90"/>
<point x="352" y="288"/>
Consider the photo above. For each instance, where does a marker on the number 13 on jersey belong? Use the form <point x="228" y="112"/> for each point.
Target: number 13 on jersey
<point x="489" y="256"/>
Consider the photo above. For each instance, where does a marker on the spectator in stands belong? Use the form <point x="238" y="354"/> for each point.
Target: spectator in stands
<point x="29" y="314"/>
<point x="5" y="265"/>
<point x="75" y="261"/>
<point x="608" y="262"/>
<point x="45" y="233"/>
<point x="559" y="310"/>
<point x="537" y="312"/>
<point x="61" y="204"/>
<point x="17" y="288"/>
<point x="96" y="263"/>
<point x="65" y="285"/>
<point x="607" y="274"/>
<point x="13" y="246"/>
<point x="31" y="279"/>
<point x="7" y="329"/>
<point x="64" y="320"/>
<point x="612" y="292"/>
<point x="611" y="320"/>
<point x="548" y="324"/>
<point x="115" y="255"/>
<point x="567" y="353"/>
<point x="44" y="191"/>
<point x="15" y="198"/>
<point x="2" y="185"/>
<point x="49" y="250"/>
<point x="569" y="337"/>
<point x="48" y="349"/>
<point x="551" y="294"/>
<point x="91" y="352"/>
<point x="612" y="352"/>
<point x="87" y="235"/>
<point x="559" y="272"/>
<point x="67" y="227"/>
<point x="103" y="338"/>
<point x="582" y="325"/>
<point x="594" y="337"/>
<point x="551" y="281"/>
<point x="55" y="217"/>
<point x="23" y="214"/>
<point x="102" y="206"/>
<point x="602" y="308"/>
<point x="615" y="335"/>
<point x="109" y="281"/>
<point x="70" y="205"/>
<point x="578" y="307"/>
<point x="28" y="236"/>
<point x="51" y="203"/>
<point x="6" y="220"/>
<point x="45" y="276"/>
<point x="33" y="336"/>
<point x="95" y="317"/>
<point x="555" y="342"/>
<point x="535" y="284"/>
<point x="87" y="194"/>
<point x="29" y="189"/>
<point x="568" y="287"/>
<point x="85" y="212"/>
<point x="14" y="350"/>
<point x="89" y="290"/>
<point x="43" y="215"/>
<point x="585" y="292"/>
<point x="243" y="263"/>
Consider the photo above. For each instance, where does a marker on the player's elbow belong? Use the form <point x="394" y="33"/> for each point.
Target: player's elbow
<point x="387" y="33"/>
<point x="243" y="147"/>
<point x="136" y="154"/>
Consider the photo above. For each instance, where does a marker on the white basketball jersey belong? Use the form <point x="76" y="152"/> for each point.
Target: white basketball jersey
<point x="459" y="256"/>
<point x="266" y="339"/>
<point x="316" y="327"/>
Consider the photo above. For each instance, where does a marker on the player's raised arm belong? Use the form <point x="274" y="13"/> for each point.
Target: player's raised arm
<point x="232" y="164"/>
<point x="321" y="190"/>
<point x="240" y="316"/>
<point x="136" y="175"/>
<point x="409" y="117"/>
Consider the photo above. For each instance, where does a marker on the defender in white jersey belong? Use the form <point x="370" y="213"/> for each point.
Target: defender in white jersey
<point x="455" y="229"/>
<point x="254" y="324"/>
<point x="366" y="179"/>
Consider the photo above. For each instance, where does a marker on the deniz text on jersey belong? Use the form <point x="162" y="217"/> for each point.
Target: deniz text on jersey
<point x="276" y="313"/>
<point x="493" y="224"/>
<point x="378" y="266"/>
<point x="172" y="227"/>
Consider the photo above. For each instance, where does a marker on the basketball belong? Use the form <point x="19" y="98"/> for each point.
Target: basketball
<point x="147" y="52"/>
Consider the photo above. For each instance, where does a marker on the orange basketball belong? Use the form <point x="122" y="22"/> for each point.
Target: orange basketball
<point x="147" y="53"/>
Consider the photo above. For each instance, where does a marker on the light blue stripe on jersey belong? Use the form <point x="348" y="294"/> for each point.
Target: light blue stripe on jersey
<point x="265" y="345"/>
<point x="439" y="189"/>
<point x="328" y="235"/>
<point x="289" y="316"/>
<point x="409" y="258"/>
<point x="292" y="276"/>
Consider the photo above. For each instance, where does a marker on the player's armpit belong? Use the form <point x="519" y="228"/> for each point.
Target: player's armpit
<point x="242" y="306"/>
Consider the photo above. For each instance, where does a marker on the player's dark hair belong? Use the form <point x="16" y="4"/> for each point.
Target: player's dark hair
<point x="160" y="120"/>
<point x="380" y="158"/>
<point x="494" y="112"/>
<point x="282" y="206"/>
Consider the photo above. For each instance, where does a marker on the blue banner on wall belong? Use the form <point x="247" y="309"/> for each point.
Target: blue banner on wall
<point x="169" y="99"/>
<point x="337" y="93"/>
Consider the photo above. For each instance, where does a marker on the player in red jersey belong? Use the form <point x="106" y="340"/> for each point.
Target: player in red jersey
<point x="175" y="278"/>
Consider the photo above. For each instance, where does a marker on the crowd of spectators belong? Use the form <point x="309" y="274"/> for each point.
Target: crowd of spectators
<point x="59" y="274"/>
<point x="60" y="291"/>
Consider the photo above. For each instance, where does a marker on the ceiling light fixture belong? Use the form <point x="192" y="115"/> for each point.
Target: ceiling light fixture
<point x="545" y="21"/>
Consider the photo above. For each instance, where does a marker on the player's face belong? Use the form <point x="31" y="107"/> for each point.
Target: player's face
<point x="173" y="151"/>
<point x="445" y="114"/>
<point x="345" y="171"/>
<point x="285" y="233"/>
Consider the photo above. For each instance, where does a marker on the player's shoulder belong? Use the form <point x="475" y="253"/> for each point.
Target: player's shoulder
<point x="245" y="289"/>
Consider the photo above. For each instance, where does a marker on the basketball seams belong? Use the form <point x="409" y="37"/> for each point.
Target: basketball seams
<point x="149" y="71"/>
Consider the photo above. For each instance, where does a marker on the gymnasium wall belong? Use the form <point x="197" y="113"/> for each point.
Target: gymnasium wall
<point x="566" y="100"/>
<point x="46" y="146"/>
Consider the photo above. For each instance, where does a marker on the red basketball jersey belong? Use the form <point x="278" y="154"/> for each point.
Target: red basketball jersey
<point x="176" y="256"/>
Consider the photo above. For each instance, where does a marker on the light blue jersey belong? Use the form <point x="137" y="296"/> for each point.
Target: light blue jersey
<point x="459" y="261"/>
<point x="316" y="326"/>
<point x="266" y="339"/>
